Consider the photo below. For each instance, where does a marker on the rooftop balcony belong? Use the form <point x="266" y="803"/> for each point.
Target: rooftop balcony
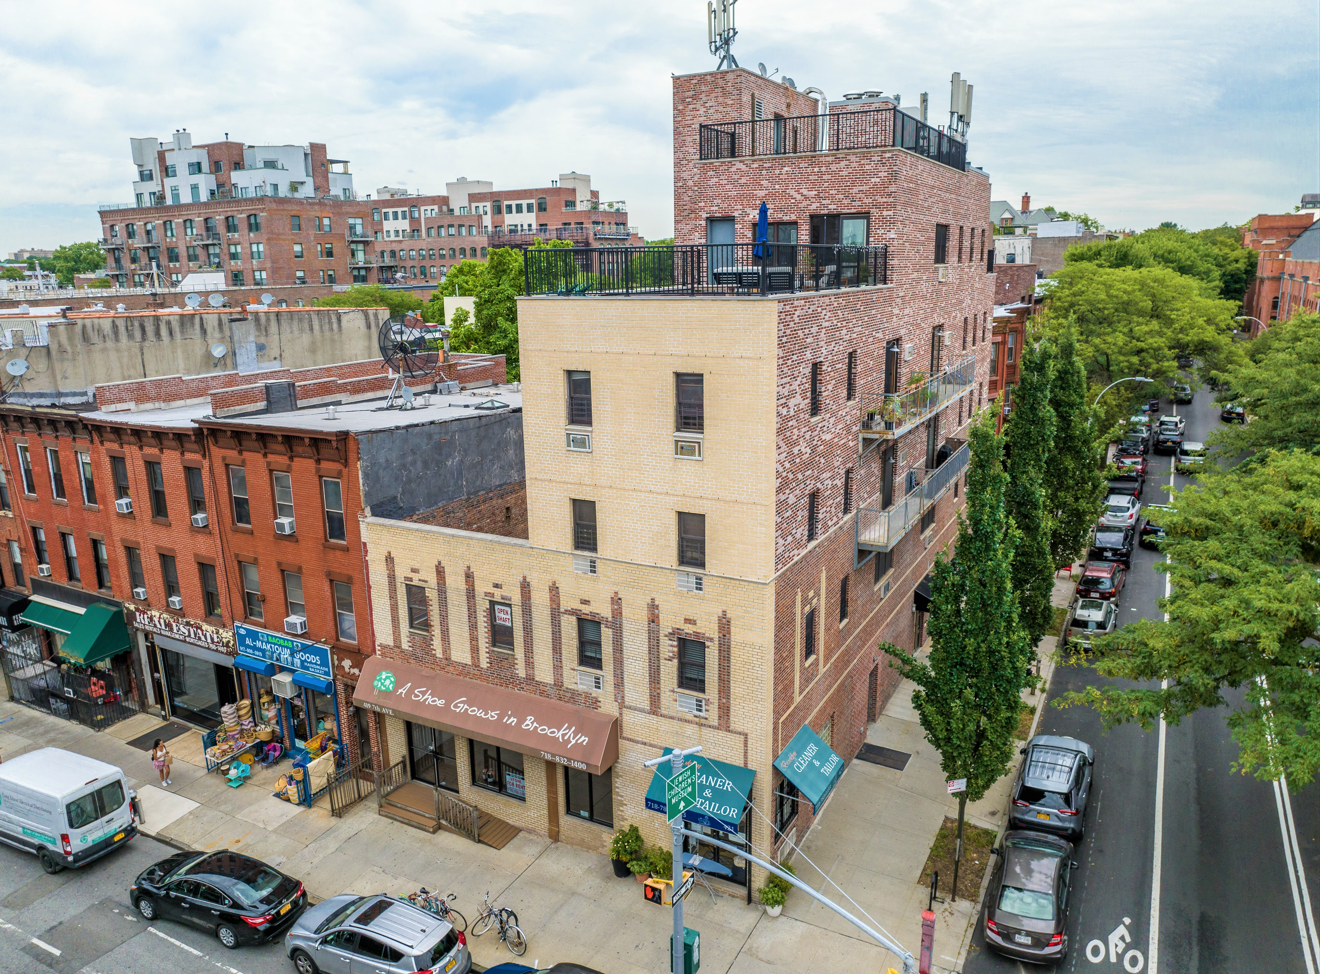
<point x="884" y="128"/>
<point x="528" y="237"/>
<point x="888" y="415"/>
<point x="726" y="269"/>
<point x="881" y="530"/>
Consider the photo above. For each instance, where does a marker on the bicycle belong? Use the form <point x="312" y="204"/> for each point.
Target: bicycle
<point x="438" y="903"/>
<point x="510" y="933"/>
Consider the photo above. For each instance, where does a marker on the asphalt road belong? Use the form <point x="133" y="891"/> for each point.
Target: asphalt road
<point x="1225" y="900"/>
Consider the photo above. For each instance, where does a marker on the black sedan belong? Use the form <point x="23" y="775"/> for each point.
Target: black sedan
<point x="1112" y="544"/>
<point x="1150" y="534"/>
<point x="239" y="899"/>
<point x="1026" y="907"/>
<point x="1168" y="443"/>
<point x="1233" y="413"/>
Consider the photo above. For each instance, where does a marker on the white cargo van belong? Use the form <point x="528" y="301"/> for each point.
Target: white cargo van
<point x="67" y="808"/>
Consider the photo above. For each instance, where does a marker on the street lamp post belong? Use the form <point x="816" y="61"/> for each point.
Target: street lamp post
<point x="1130" y="378"/>
<point x="1262" y="324"/>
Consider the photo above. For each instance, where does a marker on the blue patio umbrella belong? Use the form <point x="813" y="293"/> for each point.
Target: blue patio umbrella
<point x="762" y="233"/>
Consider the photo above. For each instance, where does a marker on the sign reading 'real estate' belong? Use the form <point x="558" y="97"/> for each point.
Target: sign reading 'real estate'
<point x="285" y="651"/>
<point x="185" y="630"/>
<point x="577" y="737"/>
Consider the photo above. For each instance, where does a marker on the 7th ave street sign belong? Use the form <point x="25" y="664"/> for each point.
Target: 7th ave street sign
<point x="681" y="792"/>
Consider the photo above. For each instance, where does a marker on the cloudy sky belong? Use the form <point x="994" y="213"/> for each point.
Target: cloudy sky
<point x="1134" y="111"/>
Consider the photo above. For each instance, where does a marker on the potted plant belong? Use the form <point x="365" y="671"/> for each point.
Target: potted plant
<point x="916" y="379"/>
<point x="641" y="867"/>
<point x="662" y="862"/>
<point x="772" y="896"/>
<point x="624" y="848"/>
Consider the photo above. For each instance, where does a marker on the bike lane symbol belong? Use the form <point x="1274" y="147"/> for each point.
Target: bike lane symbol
<point x="1118" y="939"/>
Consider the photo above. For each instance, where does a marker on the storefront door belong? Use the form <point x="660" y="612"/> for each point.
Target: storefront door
<point x="431" y="756"/>
<point x="197" y="688"/>
<point x="736" y="865"/>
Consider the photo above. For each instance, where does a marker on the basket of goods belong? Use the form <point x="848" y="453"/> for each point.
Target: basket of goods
<point x="265" y="734"/>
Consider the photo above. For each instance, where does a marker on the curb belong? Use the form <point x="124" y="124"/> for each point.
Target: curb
<point x="312" y="899"/>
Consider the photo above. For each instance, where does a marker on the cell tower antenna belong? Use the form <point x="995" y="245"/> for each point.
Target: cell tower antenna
<point x="720" y="32"/>
<point x="960" y="106"/>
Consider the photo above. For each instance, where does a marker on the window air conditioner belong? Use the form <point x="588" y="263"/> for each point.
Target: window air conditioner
<point x="140" y="594"/>
<point x="590" y="681"/>
<point x="282" y="684"/>
<point x="295" y="624"/>
<point x="199" y="520"/>
<point x="284" y="525"/>
<point x="690" y="582"/>
<point x="584" y="565"/>
<point x="43" y="570"/>
<point x="175" y="601"/>
<point x="688" y="704"/>
<point x="944" y="273"/>
<point x="124" y="505"/>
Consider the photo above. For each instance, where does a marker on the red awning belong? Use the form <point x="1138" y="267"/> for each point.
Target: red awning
<point x="574" y="736"/>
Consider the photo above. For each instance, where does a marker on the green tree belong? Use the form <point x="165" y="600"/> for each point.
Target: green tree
<point x="1237" y="264"/>
<point x="968" y="692"/>
<point x="1073" y="484"/>
<point x="372" y="296"/>
<point x="1214" y="257"/>
<point x="1242" y="546"/>
<point x="11" y="272"/>
<point x="76" y="258"/>
<point x="1279" y="386"/>
<point x="1029" y="438"/>
<point x="1087" y="221"/>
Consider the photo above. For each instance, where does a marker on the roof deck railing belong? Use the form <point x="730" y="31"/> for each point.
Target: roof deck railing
<point x="888" y="415"/>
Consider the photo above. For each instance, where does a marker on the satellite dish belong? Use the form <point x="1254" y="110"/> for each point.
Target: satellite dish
<point x="267" y="298"/>
<point x="408" y="396"/>
<point x="193" y="301"/>
<point x="16" y="366"/>
<point x="760" y="66"/>
<point x="215" y="300"/>
<point x="218" y="350"/>
<point x="404" y="346"/>
<point x="791" y="83"/>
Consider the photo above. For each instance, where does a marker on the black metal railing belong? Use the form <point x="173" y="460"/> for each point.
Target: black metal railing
<point x="584" y="537"/>
<point x="350" y="785"/>
<point x="543" y="233"/>
<point x="882" y="128"/>
<point x="359" y="233"/>
<point x="769" y="268"/>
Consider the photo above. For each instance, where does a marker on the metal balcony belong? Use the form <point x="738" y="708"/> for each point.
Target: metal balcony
<point x="888" y="415"/>
<point x="881" y="530"/>
<point x="107" y="243"/>
<point x="359" y="233"/>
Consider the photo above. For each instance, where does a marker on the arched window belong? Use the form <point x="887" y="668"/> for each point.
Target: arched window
<point x="540" y="204"/>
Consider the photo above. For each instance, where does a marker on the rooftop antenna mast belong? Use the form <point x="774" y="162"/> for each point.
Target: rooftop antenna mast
<point x="720" y="32"/>
<point x="960" y="106"/>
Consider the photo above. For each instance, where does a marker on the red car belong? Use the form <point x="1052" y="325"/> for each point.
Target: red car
<point x="1101" y="580"/>
<point x="1131" y="464"/>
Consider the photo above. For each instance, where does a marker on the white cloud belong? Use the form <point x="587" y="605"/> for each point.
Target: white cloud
<point x="1135" y="111"/>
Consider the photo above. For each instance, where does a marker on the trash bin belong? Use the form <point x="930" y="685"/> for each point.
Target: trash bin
<point x="691" y="951"/>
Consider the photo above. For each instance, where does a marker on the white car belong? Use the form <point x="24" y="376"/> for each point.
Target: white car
<point x="1092" y="618"/>
<point x="1176" y="424"/>
<point x="1120" y="511"/>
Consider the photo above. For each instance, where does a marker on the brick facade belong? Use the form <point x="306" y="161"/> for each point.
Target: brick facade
<point x="502" y="512"/>
<point x="1271" y="236"/>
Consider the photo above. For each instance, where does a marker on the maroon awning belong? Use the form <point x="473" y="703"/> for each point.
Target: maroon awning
<point x="559" y="732"/>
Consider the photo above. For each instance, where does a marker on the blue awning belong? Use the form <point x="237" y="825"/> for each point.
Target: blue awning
<point x="722" y="793"/>
<point x="252" y="665"/>
<point x="314" y="683"/>
<point x="811" y="765"/>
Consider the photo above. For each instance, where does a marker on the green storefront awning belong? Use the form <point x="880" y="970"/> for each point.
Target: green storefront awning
<point x="97" y="634"/>
<point x="811" y="765"/>
<point x="722" y="792"/>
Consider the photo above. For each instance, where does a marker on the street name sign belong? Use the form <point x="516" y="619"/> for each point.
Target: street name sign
<point x="681" y="792"/>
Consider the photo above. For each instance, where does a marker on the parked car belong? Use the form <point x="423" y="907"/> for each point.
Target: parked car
<point x="1133" y="446"/>
<point x="67" y="808"/>
<point x="1113" y="544"/>
<point x="1182" y="394"/>
<point x="1053" y="786"/>
<point x="239" y="899"/>
<point x="1152" y="406"/>
<point x="1129" y="463"/>
<point x="1190" y="457"/>
<point x="1184" y="360"/>
<point x="1091" y="619"/>
<point x="1120" y="511"/>
<point x="1129" y="485"/>
<point x="1150" y="533"/>
<point x="1027" y="902"/>
<point x="1101" y="580"/>
<point x="1173" y="423"/>
<point x="1233" y="413"/>
<point x="375" y="934"/>
<point x="1168" y="442"/>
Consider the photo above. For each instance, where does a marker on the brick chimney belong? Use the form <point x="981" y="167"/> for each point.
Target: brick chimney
<point x="1026" y="202"/>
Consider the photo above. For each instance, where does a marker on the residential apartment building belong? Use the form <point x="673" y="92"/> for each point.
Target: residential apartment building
<point x="741" y="460"/>
<point x="1280" y="280"/>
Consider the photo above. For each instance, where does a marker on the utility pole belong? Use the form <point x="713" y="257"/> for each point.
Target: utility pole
<point x="674" y="812"/>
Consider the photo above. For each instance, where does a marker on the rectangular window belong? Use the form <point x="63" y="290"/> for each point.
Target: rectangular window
<point x="590" y="796"/>
<point x="169" y="572"/>
<point x="345" y="620"/>
<point x="239" y="494"/>
<point x="196" y="492"/>
<point x="589" y="645"/>
<point x="56" y="474"/>
<point x="5" y="504"/>
<point x="584" y="525"/>
<point x="295" y="224"/>
<point x="70" y="557"/>
<point x="254" y="223"/>
<point x="194" y="169"/>
<point x="283" y="494"/>
<point x="884" y="560"/>
<point x="16" y="562"/>
<point x="692" y="540"/>
<point x="501" y="625"/>
<point x="1012" y="347"/>
<point x="195" y="191"/>
<point x="258" y="251"/>
<point x="294" y="603"/>
<point x="329" y="250"/>
<point x="689" y="402"/>
<point x="813" y="509"/>
<point x="498" y="770"/>
<point x="137" y="578"/>
<point x="332" y="496"/>
<point x="815" y="388"/>
<point x="786" y="803"/>
<point x="847" y="491"/>
<point x="156" y="488"/>
<point x="25" y="467"/>
<point x="579" y="398"/>
<point x="843" y="599"/>
<point x="691" y="665"/>
<point x="101" y="560"/>
<point x="994" y="360"/>
<point x="852" y="376"/>
<point x="809" y="635"/>
<point x="119" y="473"/>
<point x="39" y="546"/>
<point x="419" y="613"/>
<point x="172" y="254"/>
<point x="960" y="244"/>
<point x="210" y="589"/>
<point x="231" y="224"/>
<point x="941" y="243"/>
<point x="251" y="590"/>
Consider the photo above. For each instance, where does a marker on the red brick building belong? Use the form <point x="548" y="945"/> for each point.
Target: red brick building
<point x="1271" y="236"/>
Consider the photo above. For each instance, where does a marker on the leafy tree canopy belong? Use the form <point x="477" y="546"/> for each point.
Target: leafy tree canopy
<point x="1216" y="257"/>
<point x="11" y="273"/>
<point x="1074" y="487"/>
<point x="1243" y="546"/>
<point x="76" y="258"/>
<point x="376" y="296"/>
<point x="1279" y="386"/>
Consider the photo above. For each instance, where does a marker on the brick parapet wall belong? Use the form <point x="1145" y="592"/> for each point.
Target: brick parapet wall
<point x="1014" y="283"/>
<point x="502" y="511"/>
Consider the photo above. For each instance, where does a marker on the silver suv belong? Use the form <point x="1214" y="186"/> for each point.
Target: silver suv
<point x="1053" y="786"/>
<point x="347" y="934"/>
<point x="1090" y="619"/>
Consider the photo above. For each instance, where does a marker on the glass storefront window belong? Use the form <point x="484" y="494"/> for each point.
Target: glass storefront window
<point x="431" y="756"/>
<point x="590" y="796"/>
<point x="313" y="712"/>
<point x="498" y="769"/>
<point x="736" y="865"/>
<point x="197" y="688"/>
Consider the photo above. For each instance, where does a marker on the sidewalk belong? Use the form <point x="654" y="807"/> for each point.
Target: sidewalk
<point x="873" y="842"/>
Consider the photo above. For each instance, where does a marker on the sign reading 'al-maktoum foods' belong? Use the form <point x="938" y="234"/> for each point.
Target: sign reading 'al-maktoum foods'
<point x="285" y="651"/>
<point x="573" y="736"/>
